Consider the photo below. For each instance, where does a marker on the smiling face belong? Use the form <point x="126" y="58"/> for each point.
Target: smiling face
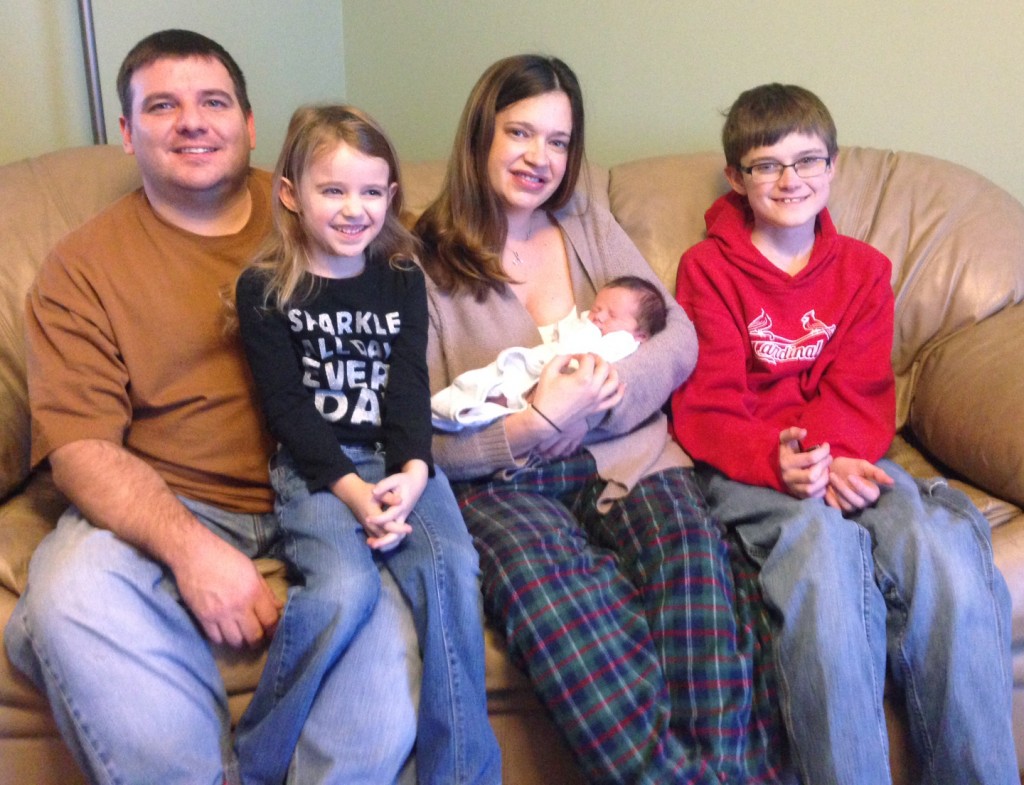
<point x="342" y="201"/>
<point x="791" y="202"/>
<point x="529" y="152"/>
<point x="190" y="136"/>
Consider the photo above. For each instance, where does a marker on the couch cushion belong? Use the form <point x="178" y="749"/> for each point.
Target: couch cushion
<point x="24" y="520"/>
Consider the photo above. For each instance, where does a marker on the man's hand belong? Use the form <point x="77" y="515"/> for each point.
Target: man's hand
<point x="232" y="602"/>
<point x="855" y="484"/>
<point x="116" y="490"/>
<point x="804" y="473"/>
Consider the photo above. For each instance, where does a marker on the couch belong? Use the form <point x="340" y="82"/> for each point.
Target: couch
<point x="957" y="246"/>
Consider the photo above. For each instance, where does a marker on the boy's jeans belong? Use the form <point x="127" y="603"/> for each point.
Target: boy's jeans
<point x="909" y="580"/>
<point x="133" y="683"/>
<point x="339" y="580"/>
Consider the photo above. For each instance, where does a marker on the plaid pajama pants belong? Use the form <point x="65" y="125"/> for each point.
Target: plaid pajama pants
<point x="642" y="630"/>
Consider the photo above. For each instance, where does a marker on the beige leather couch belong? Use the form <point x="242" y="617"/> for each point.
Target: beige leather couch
<point x="957" y="244"/>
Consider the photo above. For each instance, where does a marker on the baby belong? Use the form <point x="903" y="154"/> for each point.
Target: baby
<point x="626" y="312"/>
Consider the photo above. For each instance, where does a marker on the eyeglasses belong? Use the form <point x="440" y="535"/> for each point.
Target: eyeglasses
<point x="770" y="171"/>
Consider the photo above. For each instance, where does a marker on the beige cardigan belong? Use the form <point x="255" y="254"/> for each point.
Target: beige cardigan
<point x="630" y="441"/>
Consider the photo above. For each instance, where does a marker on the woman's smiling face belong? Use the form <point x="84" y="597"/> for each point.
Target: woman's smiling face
<point x="530" y="150"/>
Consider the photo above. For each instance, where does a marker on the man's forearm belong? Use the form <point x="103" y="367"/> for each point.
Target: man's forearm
<point x="117" y="491"/>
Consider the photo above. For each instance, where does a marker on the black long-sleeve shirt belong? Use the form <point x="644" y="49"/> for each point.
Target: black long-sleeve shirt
<point x="347" y="366"/>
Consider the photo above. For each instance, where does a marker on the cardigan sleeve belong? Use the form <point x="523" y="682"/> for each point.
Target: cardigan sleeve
<point x="604" y="251"/>
<point x="454" y="322"/>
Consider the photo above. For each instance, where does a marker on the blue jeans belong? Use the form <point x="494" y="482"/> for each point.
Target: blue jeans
<point x="909" y="580"/>
<point x="337" y="589"/>
<point x="133" y="684"/>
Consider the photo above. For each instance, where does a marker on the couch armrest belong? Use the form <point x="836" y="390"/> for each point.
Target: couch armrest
<point x="968" y="404"/>
<point x="25" y="518"/>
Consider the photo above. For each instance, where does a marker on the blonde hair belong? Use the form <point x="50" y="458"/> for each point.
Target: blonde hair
<point x="312" y="132"/>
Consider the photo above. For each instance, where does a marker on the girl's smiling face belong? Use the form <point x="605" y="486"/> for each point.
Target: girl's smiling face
<point x="529" y="151"/>
<point x="342" y="201"/>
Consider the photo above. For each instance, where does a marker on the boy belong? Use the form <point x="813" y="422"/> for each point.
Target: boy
<point x="626" y="312"/>
<point x="789" y="413"/>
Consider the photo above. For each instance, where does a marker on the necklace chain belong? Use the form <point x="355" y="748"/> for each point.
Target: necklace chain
<point x="516" y="258"/>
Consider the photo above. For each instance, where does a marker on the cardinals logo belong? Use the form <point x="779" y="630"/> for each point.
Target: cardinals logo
<point x="774" y="349"/>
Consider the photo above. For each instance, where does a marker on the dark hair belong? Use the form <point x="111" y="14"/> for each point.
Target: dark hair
<point x="464" y="228"/>
<point x="763" y="115"/>
<point x="176" y="45"/>
<point x="651" y="311"/>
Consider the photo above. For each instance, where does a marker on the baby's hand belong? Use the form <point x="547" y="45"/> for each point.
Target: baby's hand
<point x="805" y="473"/>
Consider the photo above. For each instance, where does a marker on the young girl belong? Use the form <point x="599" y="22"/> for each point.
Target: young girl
<point x="333" y="316"/>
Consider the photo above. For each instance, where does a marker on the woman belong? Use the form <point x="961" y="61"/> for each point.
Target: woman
<point x="600" y="564"/>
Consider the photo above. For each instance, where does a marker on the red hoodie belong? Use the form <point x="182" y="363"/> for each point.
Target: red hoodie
<point x="810" y="350"/>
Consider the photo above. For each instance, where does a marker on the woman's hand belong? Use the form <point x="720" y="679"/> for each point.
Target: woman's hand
<point x="556" y="421"/>
<point x="805" y="473"/>
<point x="562" y="443"/>
<point x="855" y="484"/>
<point x="567" y="395"/>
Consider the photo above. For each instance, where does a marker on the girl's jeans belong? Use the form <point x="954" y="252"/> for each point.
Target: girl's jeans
<point x="336" y="592"/>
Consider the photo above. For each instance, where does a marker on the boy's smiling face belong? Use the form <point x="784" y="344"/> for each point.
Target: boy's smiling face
<point x="791" y="202"/>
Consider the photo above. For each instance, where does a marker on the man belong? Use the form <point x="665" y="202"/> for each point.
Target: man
<point x="142" y="404"/>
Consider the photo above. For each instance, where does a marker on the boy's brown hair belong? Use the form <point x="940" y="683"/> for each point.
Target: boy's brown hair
<point x="765" y="114"/>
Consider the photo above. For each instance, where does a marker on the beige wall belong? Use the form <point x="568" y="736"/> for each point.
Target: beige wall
<point x="937" y="76"/>
<point x="291" y="53"/>
<point x="941" y="77"/>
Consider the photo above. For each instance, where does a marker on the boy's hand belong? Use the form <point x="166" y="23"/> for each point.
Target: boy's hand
<point x="855" y="484"/>
<point x="804" y="473"/>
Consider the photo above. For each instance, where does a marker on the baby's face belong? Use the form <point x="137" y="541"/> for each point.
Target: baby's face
<point x="615" y="308"/>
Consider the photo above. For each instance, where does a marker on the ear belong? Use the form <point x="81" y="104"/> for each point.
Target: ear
<point x="735" y="178"/>
<point x="392" y="190"/>
<point x="832" y="168"/>
<point x="250" y="127"/>
<point x="126" y="135"/>
<point x="288" y="197"/>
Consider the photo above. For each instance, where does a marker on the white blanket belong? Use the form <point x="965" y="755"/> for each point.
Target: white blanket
<point x="469" y="400"/>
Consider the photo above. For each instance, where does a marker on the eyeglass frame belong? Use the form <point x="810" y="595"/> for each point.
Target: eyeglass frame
<point x="783" y="167"/>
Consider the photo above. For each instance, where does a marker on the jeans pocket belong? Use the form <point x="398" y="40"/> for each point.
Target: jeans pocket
<point x="285" y="478"/>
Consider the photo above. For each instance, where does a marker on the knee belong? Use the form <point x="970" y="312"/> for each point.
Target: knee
<point x="75" y="578"/>
<point x="346" y="591"/>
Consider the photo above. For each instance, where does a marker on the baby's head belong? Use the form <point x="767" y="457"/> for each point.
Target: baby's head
<point x="632" y="304"/>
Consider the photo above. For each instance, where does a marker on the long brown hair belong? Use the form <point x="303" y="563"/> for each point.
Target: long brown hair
<point x="313" y="132"/>
<point x="464" y="229"/>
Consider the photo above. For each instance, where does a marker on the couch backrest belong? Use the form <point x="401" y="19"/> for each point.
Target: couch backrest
<point x="41" y="199"/>
<point x="955" y="239"/>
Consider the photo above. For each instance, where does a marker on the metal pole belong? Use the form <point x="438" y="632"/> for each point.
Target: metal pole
<point x="92" y="72"/>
